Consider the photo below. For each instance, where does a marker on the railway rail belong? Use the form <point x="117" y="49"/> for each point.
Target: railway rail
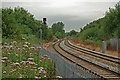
<point x="88" y="65"/>
<point x="101" y="55"/>
<point x="110" y="62"/>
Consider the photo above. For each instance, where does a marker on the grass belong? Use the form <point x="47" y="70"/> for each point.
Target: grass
<point x="0" y="54"/>
<point x="20" y="60"/>
<point x="0" y="38"/>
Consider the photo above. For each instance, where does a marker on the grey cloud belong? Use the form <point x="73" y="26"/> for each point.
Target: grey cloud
<point x="73" y="17"/>
<point x="69" y="23"/>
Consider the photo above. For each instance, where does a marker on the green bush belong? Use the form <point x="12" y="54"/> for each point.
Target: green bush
<point x="89" y="34"/>
<point x="58" y="34"/>
<point x="103" y="28"/>
<point x="19" y="22"/>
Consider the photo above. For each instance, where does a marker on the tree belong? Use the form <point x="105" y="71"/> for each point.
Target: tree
<point x="58" y="34"/>
<point x="18" y="21"/>
<point x="50" y="33"/>
<point x="112" y="21"/>
<point x="58" y="28"/>
<point x="72" y="33"/>
<point x="103" y="28"/>
<point x="54" y="28"/>
<point x="9" y="24"/>
<point x="81" y="29"/>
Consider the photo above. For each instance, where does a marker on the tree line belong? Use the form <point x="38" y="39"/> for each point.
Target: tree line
<point x="18" y="22"/>
<point x="103" y="28"/>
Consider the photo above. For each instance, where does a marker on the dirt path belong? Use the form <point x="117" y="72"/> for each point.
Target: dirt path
<point x="50" y="48"/>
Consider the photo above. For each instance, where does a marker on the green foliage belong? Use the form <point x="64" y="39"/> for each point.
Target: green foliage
<point x="58" y="29"/>
<point x="89" y="34"/>
<point x="18" y="22"/>
<point x="112" y="22"/>
<point x="50" y="33"/>
<point x="0" y="37"/>
<point x="0" y="18"/>
<point x="72" y="33"/>
<point x="103" y="28"/>
<point x="45" y="32"/>
<point x="58" y="34"/>
<point x="108" y="43"/>
<point x="9" y="24"/>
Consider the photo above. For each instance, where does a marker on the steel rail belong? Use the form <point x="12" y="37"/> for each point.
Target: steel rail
<point x="98" y="53"/>
<point x="93" y="54"/>
<point x="114" y="72"/>
<point x="72" y="60"/>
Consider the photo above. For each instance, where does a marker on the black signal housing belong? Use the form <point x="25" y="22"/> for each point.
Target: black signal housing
<point x="44" y="20"/>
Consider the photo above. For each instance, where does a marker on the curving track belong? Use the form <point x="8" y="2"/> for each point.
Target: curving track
<point x="111" y="61"/>
<point x="76" y="55"/>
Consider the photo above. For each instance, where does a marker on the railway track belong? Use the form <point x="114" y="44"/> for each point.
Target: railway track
<point x="94" y="53"/>
<point x="110" y="62"/>
<point x="88" y="65"/>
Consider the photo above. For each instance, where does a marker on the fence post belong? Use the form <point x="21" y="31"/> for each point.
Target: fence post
<point x="73" y="70"/>
<point x="87" y="73"/>
<point x="84" y="73"/>
<point x="104" y="46"/>
<point x="56" y="65"/>
<point x="81" y="72"/>
<point x="65" y="69"/>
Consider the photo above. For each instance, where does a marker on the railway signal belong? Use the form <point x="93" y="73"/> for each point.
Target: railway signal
<point x="44" y="20"/>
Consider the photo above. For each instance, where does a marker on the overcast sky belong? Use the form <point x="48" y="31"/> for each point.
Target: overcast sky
<point x="73" y="13"/>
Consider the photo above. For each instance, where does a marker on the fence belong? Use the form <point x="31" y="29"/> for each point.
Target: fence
<point x="114" y="44"/>
<point x="68" y="70"/>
